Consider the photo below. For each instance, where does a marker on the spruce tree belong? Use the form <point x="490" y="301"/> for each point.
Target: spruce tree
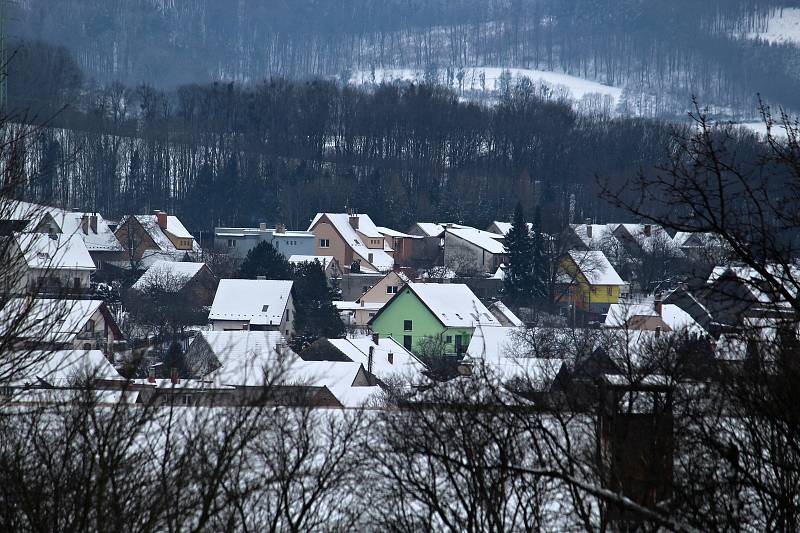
<point x="316" y="315"/>
<point x="540" y="274"/>
<point x="518" y="280"/>
<point x="265" y="260"/>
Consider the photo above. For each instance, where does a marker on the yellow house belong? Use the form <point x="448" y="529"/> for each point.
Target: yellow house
<point x="587" y="280"/>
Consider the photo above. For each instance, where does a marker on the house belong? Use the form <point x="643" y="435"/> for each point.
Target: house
<point x="651" y="315"/>
<point x="382" y="357"/>
<point x="49" y="263"/>
<point x="432" y="318"/>
<point x="699" y="246"/>
<point x="50" y="324"/>
<point x="360" y="312"/>
<point x="239" y="241"/>
<point x="494" y="353"/>
<point x="331" y="267"/>
<point x="194" y="281"/>
<point x="402" y="244"/>
<point x="263" y="369"/>
<point x="502" y="228"/>
<point x="149" y="238"/>
<point x="587" y="281"/>
<point x="258" y="305"/>
<point x="354" y="240"/>
<point x="472" y="251"/>
<point x="504" y="315"/>
<point x="70" y="368"/>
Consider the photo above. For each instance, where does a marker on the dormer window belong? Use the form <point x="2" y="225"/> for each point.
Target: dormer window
<point x="264" y="308"/>
<point x="43" y="255"/>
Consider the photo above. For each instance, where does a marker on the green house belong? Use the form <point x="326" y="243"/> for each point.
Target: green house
<point x="425" y="315"/>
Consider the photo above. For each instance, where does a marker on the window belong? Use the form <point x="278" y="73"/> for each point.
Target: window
<point x="186" y="399"/>
<point x="324" y="243"/>
<point x="264" y="308"/>
<point x="594" y="290"/>
<point x="87" y="346"/>
<point x="610" y="291"/>
<point x="76" y="282"/>
<point x="391" y="289"/>
<point x="448" y="339"/>
<point x="371" y="315"/>
<point x="231" y="243"/>
<point x="407" y="325"/>
<point x="89" y="325"/>
<point x="407" y="342"/>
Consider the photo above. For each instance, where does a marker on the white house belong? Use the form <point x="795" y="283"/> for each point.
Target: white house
<point x="259" y="305"/>
<point x="53" y="262"/>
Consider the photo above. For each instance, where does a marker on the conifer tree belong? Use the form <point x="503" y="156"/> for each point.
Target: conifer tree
<point x="518" y="279"/>
<point x="540" y="275"/>
<point x="265" y="260"/>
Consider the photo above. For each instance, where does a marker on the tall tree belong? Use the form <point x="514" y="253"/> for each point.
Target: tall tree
<point x="264" y="260"/>
<point x="518" y="280"/>
<point x="541" y="259"/>
<point x="316" y="315"/>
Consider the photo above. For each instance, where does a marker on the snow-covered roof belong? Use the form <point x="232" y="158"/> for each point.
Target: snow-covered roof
<point x="46" y="319"/>
<point x="61" y="368"/>
<point x="260" y="302"/>
<point x="168" y="275"/>
<point x="404" y="366"/>
<point x="58" y="251"/>
<point x="672" y="315"/>
<point x="341" y="222"/>
<point x="454" y="304"/>
<point x="504" y="227"/>
<point x="506" y="315"/>
<point x="239" y="358"/>
<point x="323" y="259"/>
<point x="354" y="306"/>
<point x="389" y="232"/>
<point x="174" y="226"/>
<point x="431" y="229"/>
<point x="482" y="239"/>
<point x="500" y="273"/>
<point x="599" y="233"/>
<point x="100" y="239"/>
<point x="594" y="266"/>
<point x="788" y="276"/>
<point x="495" y="349"/>
<point x="337" y="376"/>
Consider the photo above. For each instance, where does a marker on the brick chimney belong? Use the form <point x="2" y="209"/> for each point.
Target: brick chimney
<point x="648" y="229"/>
<point x="280" y="228"/>
<point x="85" y="224"/>
<point x="353" y="220"/>
<point x="174" y="376"/>
<point x="658" y="304"/>
<point x="262" y="226"/>
<point x="370" y="359"/>
<point x="93" y="223"/>
<point x="589" y="230"/>
<point x="375" y="338"/>
<point x="161" y="217"/>
<point x="151" y="374"/>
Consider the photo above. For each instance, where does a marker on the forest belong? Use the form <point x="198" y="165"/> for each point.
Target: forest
<point x="281" y="150"/>
<point x="662" y="53"/>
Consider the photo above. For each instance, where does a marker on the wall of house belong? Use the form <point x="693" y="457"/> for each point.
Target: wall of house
<point x="141" y="240"/>
<point x="337" y="248"/>
<point x="96" y="335"/>
<point x="461" y="254"/>
<point x="378" y="295"/>
<point x="58" y="279"/>
<point x="289" y="245"/>
<point x="406" y="306"/>
<point x="289" y="315"/>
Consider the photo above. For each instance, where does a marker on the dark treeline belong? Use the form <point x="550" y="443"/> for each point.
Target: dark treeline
<point x="662" y="52"/>
<point x="281" y="151"/>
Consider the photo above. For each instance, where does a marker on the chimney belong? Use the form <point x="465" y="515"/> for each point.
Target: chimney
<point x="353" y="220"/>
<point x="370" y="258"/>
<point x="85" y="225"/>
<point x="370" y="359"/>
<point x="658" y="331"/>
<point x="658" y="304"/>
<point x="648" y="228"/>
<point x="391" y="358"/>
<point x="261" y="278"/>
<point x="93" y="223"/>
<point x="280" y="228"/>
<point x="589" y="230"/>
<point x="151" y="374"/>
<point x="173" y="375"/>
<point x="375" y="338"/>
<point x="262" y="226"/>
<point x="162" y="219"/>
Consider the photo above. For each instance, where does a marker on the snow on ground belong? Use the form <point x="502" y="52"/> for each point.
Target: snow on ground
<point x="490" y="82"/>
<point x="783" y="27"/>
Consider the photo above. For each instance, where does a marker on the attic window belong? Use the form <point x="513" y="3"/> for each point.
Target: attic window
<point x="43" y="255"/>
<point x="264" y="308"/>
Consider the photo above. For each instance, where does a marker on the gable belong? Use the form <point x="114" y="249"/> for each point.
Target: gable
<point x="406" y="305"/>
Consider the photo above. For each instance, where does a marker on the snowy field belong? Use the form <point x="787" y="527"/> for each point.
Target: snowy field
<point x="487" y="79"/>
<point x="783" y="27"/>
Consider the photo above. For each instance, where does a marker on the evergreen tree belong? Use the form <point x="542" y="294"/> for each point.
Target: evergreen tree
<point x="518" y="280"/>
<point x="540" y="278"/>
<point x="316" y="315"/>
<point x="264" y="260"/>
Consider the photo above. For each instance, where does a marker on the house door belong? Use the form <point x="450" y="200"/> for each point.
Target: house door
<point x="458" y="344"/>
